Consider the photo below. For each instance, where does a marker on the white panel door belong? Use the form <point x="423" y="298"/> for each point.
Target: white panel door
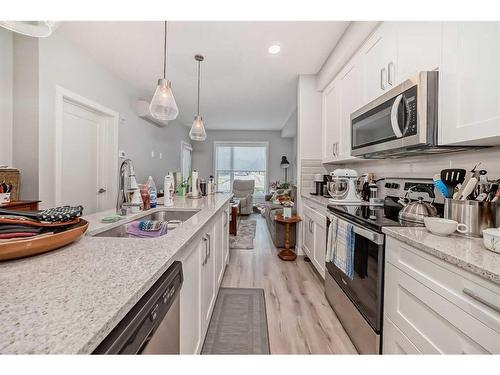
<point x="377" y="54"/>
<point x="190" y="299"/>
<point x="351" y="100"/>
<point x="469" y="96"/>
<point x="208" y="282"/>
<point x="418" y="48"/>
<point x="80" y="174"/>
<point x="331" y="122"/>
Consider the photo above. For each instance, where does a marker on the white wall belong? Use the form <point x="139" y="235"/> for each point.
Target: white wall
<point x="427" y="166"/>
<point x="203" y="152"/>
<point x="6" y="80"/>
<point x="61" y="63"/>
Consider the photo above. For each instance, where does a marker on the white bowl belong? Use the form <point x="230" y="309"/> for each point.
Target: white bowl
<point x="443" y="227"/>
<point x="491" y="239"/>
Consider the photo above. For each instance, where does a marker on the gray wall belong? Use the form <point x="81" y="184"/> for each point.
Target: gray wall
<point x="39" y="66"/>
<point x="25" y="148"/>
<point x="203" y="152"/>
<point x="6" y="79"/>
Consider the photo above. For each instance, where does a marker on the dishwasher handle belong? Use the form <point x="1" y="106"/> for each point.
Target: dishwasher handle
<point x="137" y="327"/>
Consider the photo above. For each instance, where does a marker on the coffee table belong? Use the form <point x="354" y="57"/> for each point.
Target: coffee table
<point x="287" y="254"/>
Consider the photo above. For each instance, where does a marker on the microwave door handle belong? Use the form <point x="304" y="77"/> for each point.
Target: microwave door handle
<point x="394" y="116"/>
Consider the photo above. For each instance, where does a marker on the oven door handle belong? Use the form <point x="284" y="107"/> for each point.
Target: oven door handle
<point x="377" y="238"/>
<point x="394" y="116"/>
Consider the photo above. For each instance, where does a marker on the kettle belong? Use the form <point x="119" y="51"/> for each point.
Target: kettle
<point x="413" y="213"/>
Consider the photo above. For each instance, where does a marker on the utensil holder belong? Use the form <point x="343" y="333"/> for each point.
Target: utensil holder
<point x="476" y="215"/>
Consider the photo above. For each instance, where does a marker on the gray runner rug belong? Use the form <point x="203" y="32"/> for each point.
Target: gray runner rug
<point x="245" y="235"/>
<point x="238" y="324"/>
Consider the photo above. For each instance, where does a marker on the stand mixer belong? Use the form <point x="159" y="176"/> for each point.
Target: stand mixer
<point x="342" y="187"/>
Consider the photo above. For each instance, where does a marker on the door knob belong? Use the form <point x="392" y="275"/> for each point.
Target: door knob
<point x="101" y="190"/>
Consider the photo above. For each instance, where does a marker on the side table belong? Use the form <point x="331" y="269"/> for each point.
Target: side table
<point x="287" y="254"/>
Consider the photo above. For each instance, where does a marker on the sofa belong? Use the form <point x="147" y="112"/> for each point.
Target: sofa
<point x="277" y="230"/>
<point x="243" y="190"/>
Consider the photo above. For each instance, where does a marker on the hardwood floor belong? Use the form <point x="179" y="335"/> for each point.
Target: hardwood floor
<point x="299" y="317"/>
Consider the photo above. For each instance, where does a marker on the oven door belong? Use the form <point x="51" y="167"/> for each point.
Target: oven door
<point x="365" y="290"/>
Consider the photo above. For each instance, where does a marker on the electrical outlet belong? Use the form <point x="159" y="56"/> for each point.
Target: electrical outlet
<point x="161" y="155"/>
<point x="152" y="154"/>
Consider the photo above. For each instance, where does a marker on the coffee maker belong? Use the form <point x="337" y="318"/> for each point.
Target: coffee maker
<point x="320" y="187"/>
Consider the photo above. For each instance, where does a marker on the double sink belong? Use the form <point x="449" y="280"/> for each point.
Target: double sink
<point x="173" y="217"/>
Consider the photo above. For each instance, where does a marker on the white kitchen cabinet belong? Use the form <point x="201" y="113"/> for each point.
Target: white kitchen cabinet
<point x="351" y="99"/>
<point x="418" y="48"/>
<point x="469" y="95"/>
<point x="331" y="122"/>
<point x="225" y="237"/>
<point x="209" y="285"/>
<point x="221" y="245"/>
<point x="314" y="237"/>
<point x="378" y="56"/>
<point x="190" y="298"/>
<point x="395" y="342"/>
<point x="430" y="303"/>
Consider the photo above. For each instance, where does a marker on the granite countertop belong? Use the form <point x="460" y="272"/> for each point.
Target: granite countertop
<point x="68" y="300"/>
<point x="316" y="198"/>
<point x="466" y="253"/>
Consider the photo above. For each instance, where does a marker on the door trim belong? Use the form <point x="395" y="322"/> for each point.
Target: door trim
<point x="113" y="119"/>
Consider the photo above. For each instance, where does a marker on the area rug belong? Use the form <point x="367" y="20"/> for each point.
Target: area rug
<point x="245" y="235"/>
<point x="238" y="324"/>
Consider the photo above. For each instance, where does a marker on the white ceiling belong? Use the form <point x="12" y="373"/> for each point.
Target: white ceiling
<point x="243" y="86"/>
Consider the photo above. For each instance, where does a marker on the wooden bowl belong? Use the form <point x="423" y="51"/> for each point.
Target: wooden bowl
<point x="42" y="244"/>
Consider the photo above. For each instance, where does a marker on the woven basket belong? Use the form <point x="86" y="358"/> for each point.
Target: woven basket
<point x="11" y="176"/>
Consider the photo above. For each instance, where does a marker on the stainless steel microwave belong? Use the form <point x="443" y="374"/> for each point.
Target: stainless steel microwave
<point x="402" y="122"/>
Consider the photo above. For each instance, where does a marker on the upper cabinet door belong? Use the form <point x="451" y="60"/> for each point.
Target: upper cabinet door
<point x="469" y="95"/>
<point x="331" y="122"/>
<point x="351" y="83"/>
<point x="377" y="54"/>
<point x="419" y="48"/>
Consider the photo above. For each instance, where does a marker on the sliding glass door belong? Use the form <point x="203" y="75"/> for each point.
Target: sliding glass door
<point x="241" y="161"/>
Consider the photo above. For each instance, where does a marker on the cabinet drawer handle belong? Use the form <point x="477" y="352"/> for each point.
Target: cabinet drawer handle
<point x="390" y="73"/>
<point x="383" y="74"/>
<point x="473" y="295"/>
<point x="205" y="259"/>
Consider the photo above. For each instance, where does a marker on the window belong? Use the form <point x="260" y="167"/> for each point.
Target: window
<point x="241" y="161"/>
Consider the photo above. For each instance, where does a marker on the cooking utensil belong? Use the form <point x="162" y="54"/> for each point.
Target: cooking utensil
<point x="415" y="212"/>
<point x="440" y="185"/>
<point x="468" y="176"/>
<point x="476" y="215"/>
<point x="468" y="188"/>
<point x="452" y="177"/>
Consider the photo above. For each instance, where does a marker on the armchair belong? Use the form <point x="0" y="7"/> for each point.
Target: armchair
<point x="243" y="190"/>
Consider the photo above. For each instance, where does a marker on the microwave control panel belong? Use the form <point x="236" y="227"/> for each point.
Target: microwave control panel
<point x="410" y="100"/>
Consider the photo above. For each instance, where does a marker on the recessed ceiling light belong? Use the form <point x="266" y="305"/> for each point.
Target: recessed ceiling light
<point x="274" y="49"/>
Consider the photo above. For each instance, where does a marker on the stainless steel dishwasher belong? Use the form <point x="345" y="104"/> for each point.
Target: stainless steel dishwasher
<point x="152" y="325"/>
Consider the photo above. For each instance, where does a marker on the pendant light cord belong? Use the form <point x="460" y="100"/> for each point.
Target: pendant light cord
<point x="199" y="62"/>
<point x="165" y="52"/>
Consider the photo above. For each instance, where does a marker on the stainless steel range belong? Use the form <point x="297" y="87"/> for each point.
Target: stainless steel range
<point x="358" y="302"/>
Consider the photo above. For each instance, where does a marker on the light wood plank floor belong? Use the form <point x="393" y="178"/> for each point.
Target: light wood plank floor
<point x="299" y="317"/>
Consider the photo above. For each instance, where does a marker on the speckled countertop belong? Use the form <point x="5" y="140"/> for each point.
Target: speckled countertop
<point x="315" y="198"/>
<point x="469" y="254"/>
<point x="68" y="300"/>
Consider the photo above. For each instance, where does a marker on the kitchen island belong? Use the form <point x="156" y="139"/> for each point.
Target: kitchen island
<point x="67" y="301"/>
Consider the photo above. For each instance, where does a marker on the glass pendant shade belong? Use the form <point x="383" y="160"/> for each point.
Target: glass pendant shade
<point x="37" y="29"/>
<point x="163" y="106"/>
<point x="197" y="132"/>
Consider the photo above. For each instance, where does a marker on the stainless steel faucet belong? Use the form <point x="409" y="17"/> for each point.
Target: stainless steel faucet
<point x="126" y="170"/>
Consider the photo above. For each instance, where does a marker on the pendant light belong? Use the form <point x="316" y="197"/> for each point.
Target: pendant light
<point x="197" y="132"/>
<point x="163" y="106"/>
<point x="38" y="29"/>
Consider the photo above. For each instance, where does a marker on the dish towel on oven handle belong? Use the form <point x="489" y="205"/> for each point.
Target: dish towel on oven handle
<point x="340" y="246"/>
